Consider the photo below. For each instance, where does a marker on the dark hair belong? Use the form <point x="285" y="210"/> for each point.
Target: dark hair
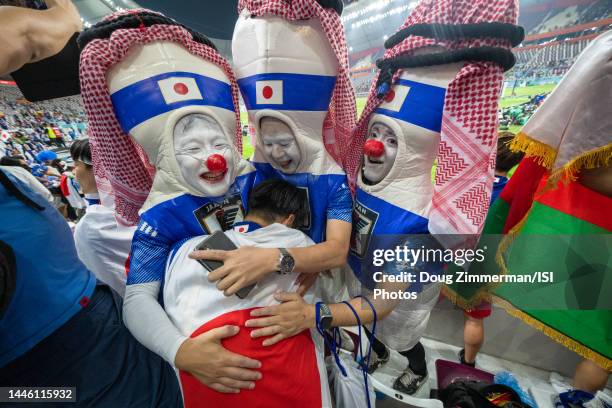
<point x="13" y="161"/>
<point x="81" y="150"/>
<point x="506" y="158"/>
<point x="272" y="199"/>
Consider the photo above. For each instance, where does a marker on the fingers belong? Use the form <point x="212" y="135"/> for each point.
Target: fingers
<point x="234" y="284"/>
<point x="236" y="360"/>
<point x="218" y="273"/>
<point x="239" y="285"/>
<point x="266" y="311"/>
<point x="286" y="297"/>
<point x="220" y="333"/>
<point x="262" y="322"/>
<point x="273" y="340"/>
<point x="222" y="388"/>
<point x="231" y="383"/>
<point x="241" y="374"/>
<point x="209" y="254"/>
<point x="266" y="331"/>
<point x="227" y="281"/>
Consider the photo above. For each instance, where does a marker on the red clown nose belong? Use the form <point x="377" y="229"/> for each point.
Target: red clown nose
<point x="374" y="148"/>
<point x="216" y="162"/>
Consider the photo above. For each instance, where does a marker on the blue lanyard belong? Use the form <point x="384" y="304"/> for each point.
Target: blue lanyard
<point x="333" y="345"/>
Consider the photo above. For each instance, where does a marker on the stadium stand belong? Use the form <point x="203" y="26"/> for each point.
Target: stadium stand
<point x="558" y="30"/>
<point x="29" y="128"/>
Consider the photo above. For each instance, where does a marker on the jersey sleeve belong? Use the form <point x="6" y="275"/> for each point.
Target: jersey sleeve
<point x="340" y="205"/>
<point x="150" y="250"/>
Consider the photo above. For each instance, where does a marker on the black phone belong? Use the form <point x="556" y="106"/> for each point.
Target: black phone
<point x="218" y="240"/>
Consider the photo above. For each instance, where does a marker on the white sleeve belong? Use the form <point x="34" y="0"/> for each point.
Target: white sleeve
<point x="103" y="245"/>
<point x="148" y="322"/>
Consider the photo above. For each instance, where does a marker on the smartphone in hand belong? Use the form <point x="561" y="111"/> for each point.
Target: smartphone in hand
<point x="218" y="240"/>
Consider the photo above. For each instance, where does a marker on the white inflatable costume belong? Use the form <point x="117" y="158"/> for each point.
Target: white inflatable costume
<point x="435" y="98"/>
<point x="176" y="98"/>
<point x="292" y="69"/>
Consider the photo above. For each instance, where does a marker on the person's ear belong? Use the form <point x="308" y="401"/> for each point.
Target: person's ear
<point x="288" y="220"/>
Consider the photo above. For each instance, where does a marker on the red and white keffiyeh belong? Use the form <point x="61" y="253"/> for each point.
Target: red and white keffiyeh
<point x="340" y="121"/>
<point x="121" y="167"/>
<point x="466" y="155"/>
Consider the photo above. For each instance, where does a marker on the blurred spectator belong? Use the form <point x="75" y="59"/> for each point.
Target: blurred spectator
<point x="101" y="242"/>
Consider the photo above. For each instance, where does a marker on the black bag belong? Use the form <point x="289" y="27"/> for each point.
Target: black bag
<point x="465" y="393"/>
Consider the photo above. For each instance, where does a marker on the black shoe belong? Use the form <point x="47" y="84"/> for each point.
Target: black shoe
<point x="376" y="362"/>
<point x="462" y="359"/>
<point x="409" y="382"/>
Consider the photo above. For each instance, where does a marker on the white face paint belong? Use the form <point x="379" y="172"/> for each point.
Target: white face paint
<point x="376" y="168"/>
<point x="279" y="145"/>
<point x="196" y="138"/>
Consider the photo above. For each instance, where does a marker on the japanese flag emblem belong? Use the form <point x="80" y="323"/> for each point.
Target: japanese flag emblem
<point x="178" y="89"/>
<point x="395" y="98"/>
<point x="269" y="92"/>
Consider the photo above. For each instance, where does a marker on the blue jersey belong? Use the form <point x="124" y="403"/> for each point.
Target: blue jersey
<point x="498" y="185"/>
<point x="329" y="197"/>
<point x="52" y="283"/>
<point x="185" y="216"/>
<point x="377" y="224"/>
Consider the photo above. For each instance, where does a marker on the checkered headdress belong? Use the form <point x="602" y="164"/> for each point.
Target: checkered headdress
<point x="479" y="33"/>
<point x="341" y="118"/>
<point x="121" y="166"/>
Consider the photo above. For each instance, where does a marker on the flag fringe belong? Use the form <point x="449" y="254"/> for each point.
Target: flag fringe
<point x="557" y="336"/>
<point x="593" y="159"/>
<point x="507" y="241"/>
<point x="544" y="155"/>
<point x="482" y="295"/>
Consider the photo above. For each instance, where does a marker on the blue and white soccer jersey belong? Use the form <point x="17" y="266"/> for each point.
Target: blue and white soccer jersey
<point x="378" y="224"/>
<point x="185" y="216"/>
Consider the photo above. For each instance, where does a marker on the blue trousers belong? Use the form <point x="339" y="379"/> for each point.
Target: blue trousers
<point x="96" y="353"/>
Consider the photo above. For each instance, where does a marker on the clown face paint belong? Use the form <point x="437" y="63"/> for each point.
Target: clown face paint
<point x="204" y="154"/>
<point x="376" y="164"/>
<point x="279" y="145"/>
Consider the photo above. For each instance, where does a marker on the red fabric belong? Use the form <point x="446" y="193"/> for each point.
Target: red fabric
<point x="342" y="114"/>
<point x="290" y="376"/>
<point x="466" y="155"/>
<point x="482" y="311"/>
<point x="578" y="201"/>
<point x="64" y="185"/>
<point x="520" y="190"/>
<point x="121" y="167"/>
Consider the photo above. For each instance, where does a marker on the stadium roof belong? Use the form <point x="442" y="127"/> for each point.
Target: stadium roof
<point x="211" y="17"/>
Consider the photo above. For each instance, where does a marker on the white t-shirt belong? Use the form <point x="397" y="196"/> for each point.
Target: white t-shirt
<point x="103" y="245"/>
